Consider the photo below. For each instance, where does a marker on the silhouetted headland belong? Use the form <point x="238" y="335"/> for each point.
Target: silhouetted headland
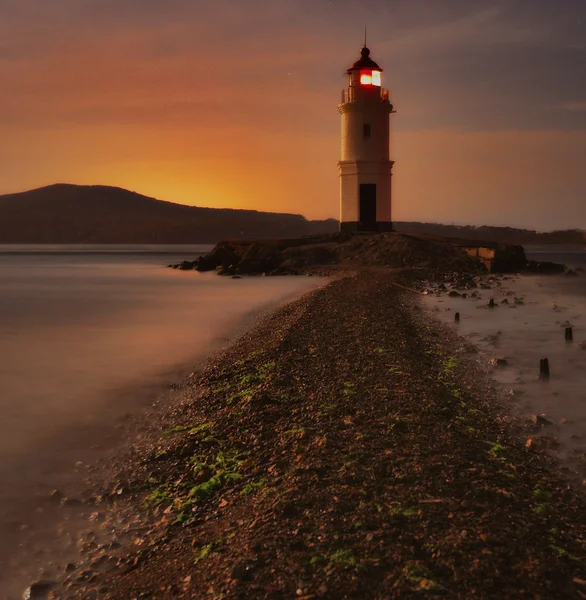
<point x="71" y="214"/>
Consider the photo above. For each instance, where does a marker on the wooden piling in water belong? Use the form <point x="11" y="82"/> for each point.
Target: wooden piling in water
<point x="491" y="303"/>
<point x="544" y="368"/>
<point x="569" y="334"/>
<point x="457" y="317"/>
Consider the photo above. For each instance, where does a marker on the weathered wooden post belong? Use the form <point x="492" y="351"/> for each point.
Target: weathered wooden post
<point x="544" y="368"/>
<point x="491" y="303"/>
<point x="457" y="317"/>
<point x="569" y="334"/>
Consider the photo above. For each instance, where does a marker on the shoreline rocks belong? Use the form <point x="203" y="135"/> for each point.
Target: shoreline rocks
<point x="338" y="250"/>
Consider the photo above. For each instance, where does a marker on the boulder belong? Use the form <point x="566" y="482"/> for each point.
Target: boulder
<point x="544" y="268"/>
<point x="540" y="421"/>
<point x="186" y="266"/>
<point x="499" y="362"/>
<point x="38" y="590"/>
<point x="508" y="258"/>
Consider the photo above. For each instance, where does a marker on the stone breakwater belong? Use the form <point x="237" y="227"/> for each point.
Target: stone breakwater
<point x="334" y="251"/>
<point x="327" y="253"/>
<point x="347" y="447"/>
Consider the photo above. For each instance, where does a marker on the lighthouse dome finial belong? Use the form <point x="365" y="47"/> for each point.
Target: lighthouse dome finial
<point x="365" y="62"/>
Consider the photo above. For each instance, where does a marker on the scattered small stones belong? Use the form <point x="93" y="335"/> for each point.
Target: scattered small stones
<point x="332" y="425"/>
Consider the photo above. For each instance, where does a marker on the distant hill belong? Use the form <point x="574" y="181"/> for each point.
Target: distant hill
<point x="71" y="214"/>
<point x="505" y="235"/>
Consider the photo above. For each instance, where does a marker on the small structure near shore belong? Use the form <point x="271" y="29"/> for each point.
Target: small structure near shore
<point x="496" y="257"/>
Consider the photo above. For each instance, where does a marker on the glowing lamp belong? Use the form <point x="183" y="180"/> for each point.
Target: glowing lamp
<point x="370" y="77"/>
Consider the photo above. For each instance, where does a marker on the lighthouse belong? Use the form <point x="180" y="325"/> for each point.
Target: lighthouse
<point x="365" y="166"/>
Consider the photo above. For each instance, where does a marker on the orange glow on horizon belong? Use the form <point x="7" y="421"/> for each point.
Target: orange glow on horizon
<point x="262" y="132"/>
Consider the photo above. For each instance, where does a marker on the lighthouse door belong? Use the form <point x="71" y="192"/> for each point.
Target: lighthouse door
<point x="367" y="207"/>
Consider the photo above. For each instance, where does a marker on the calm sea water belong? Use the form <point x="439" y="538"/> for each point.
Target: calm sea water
<point x="89" y="334"/>
<point x="573" y="256"/>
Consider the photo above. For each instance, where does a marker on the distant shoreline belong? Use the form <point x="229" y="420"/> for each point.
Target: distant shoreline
<point x="65" y="213"/>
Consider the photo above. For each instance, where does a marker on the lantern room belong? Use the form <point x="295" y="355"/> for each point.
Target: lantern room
<point x="365" y="81"/>
<point x="370" y="77"/>
<point x="365" y="71"/>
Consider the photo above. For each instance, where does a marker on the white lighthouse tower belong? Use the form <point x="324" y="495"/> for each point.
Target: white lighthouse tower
<point x="365" y="168"/>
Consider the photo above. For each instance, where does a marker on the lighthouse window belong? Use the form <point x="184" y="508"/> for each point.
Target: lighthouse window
<point x="366" y="131"/>
<point x="366" y="79"/>
<point x="376" y="78"/>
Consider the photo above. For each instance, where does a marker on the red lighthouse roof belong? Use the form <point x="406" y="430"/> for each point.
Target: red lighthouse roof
<point x="365" y="62"/>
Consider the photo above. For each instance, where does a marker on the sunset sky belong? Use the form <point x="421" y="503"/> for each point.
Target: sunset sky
<point x="233" y="103"/>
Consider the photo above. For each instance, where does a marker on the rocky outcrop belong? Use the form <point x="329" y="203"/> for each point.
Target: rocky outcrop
<point x="352" y="250"/>
<point x="509" y="258"/>
<point x="293" y="256"/>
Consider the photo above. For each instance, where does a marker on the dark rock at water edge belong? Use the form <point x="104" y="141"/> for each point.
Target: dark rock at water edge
<point x="509" y="258"/>
<point x="544" y="268"/>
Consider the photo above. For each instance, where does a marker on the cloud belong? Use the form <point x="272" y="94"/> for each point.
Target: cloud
<point x="573" y="106"/>
<point x="486" y="26"/>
